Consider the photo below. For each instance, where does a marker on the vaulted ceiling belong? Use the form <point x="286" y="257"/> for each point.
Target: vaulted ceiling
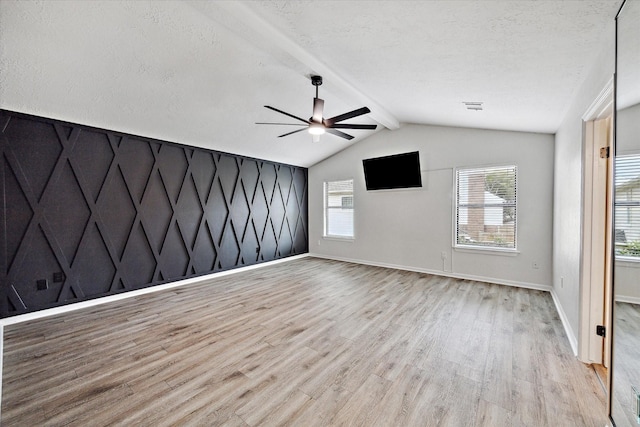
<point x="200" y="72"/>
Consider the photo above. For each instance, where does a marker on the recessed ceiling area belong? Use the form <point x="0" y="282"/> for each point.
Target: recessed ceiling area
<point x="200" y="73"/>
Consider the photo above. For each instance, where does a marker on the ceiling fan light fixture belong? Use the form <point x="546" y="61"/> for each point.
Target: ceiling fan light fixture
<point x="316" y="128"/>
<point x="317" y="125"/>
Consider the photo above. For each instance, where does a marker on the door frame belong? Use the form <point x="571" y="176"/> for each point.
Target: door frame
<point x="594" y="306"/>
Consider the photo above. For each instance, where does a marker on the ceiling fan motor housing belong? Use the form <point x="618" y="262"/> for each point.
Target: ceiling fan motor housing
<point x="317" y="124"/>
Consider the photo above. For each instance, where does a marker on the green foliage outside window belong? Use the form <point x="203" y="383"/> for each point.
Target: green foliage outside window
<point x="630" y="249"/>
<point x="502" y="185"/>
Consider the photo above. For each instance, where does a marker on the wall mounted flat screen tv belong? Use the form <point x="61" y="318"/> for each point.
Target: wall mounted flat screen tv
<point x="397" y="171"/>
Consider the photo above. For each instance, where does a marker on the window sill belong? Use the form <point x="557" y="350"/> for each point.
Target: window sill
<point x="628" y="261"/>
<point x="486" y="251"/>
<point x="339" y="238"/>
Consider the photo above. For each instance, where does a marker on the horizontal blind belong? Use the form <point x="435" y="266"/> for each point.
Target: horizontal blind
<point x="339" y="208"/>
<point x="627" y="206"/>
<point x="486" y="207"/>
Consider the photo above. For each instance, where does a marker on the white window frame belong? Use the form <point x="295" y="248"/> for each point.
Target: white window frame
<point x="483" y="247"/>
<point x="620" y="257"/>
<point x="326" y="208"/>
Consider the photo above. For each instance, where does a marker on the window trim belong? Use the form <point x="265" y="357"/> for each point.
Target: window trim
<point x="626" y="260"/>
<point x="325" y="234"/>
<point x="489" y="250"/>
<point x="494" y="250"/>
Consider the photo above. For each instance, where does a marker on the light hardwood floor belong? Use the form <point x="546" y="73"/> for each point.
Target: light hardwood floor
<point x="626" y="366"/>
<point x="309" y="342"/>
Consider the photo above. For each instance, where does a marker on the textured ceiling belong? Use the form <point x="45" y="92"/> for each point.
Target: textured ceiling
<point x="200" y="72"/>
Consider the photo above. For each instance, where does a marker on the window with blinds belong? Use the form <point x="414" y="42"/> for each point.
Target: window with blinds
<point x="338" y="209"/>
<point x="627" y="206"/>
<point x="486" y="207"/>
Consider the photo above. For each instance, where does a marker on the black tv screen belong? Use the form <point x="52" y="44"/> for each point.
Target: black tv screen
<point x="397" y="171"/>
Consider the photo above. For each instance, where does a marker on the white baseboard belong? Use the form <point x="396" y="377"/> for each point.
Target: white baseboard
<point x="131" y="294"/>
<point x="630" y="300"/>
<point x="573" y="341"/>
<point x="563" y="317"/>
<point x="497" y="281"/>
<point x="112" y="298"/>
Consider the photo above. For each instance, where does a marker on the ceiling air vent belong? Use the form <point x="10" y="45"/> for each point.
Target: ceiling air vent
<point x="475" y="106"/>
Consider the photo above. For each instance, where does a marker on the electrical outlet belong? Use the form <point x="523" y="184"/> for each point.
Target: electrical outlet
<point x="58" y="277"/>
<point x="443" y="255"/>
<point x="42" y="285"/>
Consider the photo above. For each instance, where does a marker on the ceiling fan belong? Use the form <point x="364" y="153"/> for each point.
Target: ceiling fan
<point x="317" y="124"/>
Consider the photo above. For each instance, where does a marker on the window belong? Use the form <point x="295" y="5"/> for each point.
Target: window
<point x="486" y="207"/>
<point x="627" y="206"/>
<point x="338" y="208"/>
<point x="347" y="202"/>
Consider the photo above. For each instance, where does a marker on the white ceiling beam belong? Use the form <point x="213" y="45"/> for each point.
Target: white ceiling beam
<point x="241" y="13"/>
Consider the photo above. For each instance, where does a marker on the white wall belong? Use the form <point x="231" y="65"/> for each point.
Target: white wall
<point x="627" y="274"/>
<point x="412" y="228"/>
<point x="627" y="285"/>
<point x="628" y="130"/>
<point x="567" y="199"/>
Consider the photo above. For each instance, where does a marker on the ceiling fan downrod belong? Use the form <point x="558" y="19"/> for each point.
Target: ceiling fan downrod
<point x="317" y="124"/>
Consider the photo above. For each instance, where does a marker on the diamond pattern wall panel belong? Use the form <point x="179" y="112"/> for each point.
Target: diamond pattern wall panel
<point x="89" y="212"/>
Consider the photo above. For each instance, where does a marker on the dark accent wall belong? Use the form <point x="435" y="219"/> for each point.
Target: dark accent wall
<point x="89" y="212"/>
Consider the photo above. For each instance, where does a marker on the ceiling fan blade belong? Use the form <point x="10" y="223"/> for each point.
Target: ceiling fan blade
<point x="280" y="124"/>
<point x="355" y="113"/>
<point x="290" y="133"/>
<point x="338" y="133"/>
<point x="318" y="106"/>
<point x="353" y="126"/>
<point x="287" y="114"/>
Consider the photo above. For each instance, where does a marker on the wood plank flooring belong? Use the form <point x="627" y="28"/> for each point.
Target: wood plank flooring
<point x="309" y="342"/>
<point x="626" y="366"/>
